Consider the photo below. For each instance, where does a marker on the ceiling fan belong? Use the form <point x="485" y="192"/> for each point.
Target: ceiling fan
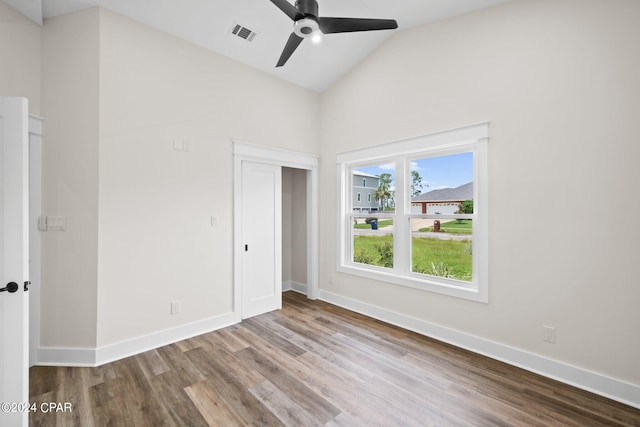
<point x="307" y="24"/>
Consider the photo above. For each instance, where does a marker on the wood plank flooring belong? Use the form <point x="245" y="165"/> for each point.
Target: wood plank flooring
<point x="314" y="364"/>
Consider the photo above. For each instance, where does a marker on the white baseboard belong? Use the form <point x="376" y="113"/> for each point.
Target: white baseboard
<point x="59" y="356"/>
<point x="612" y="388"/>
<point x="290" y="285"/>
<point x="49" y="356"/>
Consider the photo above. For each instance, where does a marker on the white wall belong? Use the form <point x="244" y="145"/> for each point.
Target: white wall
<point x="70" y="179"/>
<point x="299" y="227"/>
<point x="116" y="94"/>
<point x="558" y="80"/>
<point x="287" y="223"/>
<point x="156" y="244"/>
<point x="20" y="53"/>
<point x="294" y="227"/>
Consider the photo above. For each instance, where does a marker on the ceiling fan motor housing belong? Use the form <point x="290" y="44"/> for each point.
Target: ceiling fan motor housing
<point x="307" y="25"/>
<point x="307" y="7"/>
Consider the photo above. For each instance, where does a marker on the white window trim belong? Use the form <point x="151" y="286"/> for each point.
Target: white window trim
<point x="475" y="138"/>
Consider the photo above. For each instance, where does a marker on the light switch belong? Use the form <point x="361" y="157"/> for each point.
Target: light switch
<point x="57" y="223"/>
<point x="52" y="223"/>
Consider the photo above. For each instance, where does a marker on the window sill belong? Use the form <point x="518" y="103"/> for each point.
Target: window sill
<point x="453" y="288"/>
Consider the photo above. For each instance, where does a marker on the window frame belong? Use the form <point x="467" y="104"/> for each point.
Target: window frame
<point x="472" y="138"/>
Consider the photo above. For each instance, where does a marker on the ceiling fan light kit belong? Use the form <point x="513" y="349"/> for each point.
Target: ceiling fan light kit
<point x="306" y="27"/>
<point x="307" y="24"/>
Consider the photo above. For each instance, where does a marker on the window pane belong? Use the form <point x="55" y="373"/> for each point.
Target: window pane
<point x="375" y="186"/>
<point x="373" y="241"/>
<point x="442" y="248"/>
<point x="442" y="185"/>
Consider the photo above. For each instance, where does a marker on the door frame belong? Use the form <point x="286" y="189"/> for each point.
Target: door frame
<point x="243" y="151"/>
<point x="35" y="238"/>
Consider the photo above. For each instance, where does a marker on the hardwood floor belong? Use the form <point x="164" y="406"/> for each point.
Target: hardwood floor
<point x="314" y="364"/>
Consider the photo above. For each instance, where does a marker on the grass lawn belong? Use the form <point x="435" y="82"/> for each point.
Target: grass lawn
<point x="383" y="223"/>
<point x="457" y="226"/>
<point x="436" y="257"/>
<point x="366" y="246"/>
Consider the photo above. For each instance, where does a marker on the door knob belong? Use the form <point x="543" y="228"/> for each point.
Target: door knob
<point x="11" y="288"/>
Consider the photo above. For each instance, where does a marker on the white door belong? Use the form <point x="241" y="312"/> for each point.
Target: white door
<point x="261" y="238"/>
<point x="14" y="261"/>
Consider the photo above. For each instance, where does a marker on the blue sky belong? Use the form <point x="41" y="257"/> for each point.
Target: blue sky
<point x="436" y="172"/>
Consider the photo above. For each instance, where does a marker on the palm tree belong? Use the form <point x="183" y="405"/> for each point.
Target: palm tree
<point x="381" y="194"/>
<point x="385" y="180"/>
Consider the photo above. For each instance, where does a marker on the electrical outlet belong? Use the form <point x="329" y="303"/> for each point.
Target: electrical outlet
<point x="175" y="307"/>
<point x="549" y="334"/>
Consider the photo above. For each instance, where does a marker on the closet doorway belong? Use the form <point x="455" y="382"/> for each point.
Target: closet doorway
<point x="259" y="227"/>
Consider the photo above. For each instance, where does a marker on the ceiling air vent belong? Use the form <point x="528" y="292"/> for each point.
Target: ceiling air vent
<point x="243" y="32"/>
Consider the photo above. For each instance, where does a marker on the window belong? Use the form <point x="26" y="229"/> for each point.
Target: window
<point x="359" y="197"/>
<point x="364" y="182"/>
<point x="430" y="231"/>
<point x="369" y="197"/>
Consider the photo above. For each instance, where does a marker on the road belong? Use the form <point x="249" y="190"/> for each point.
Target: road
<point x="416" y="225"/>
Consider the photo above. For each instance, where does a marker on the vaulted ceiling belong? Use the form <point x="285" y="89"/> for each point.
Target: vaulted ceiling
<point x="209" y="23"/>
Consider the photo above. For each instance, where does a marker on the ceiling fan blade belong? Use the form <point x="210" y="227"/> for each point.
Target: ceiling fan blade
<point x="289" y="9"/>
<point x="292" y="44"/>
<point x="348" y="25"/>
